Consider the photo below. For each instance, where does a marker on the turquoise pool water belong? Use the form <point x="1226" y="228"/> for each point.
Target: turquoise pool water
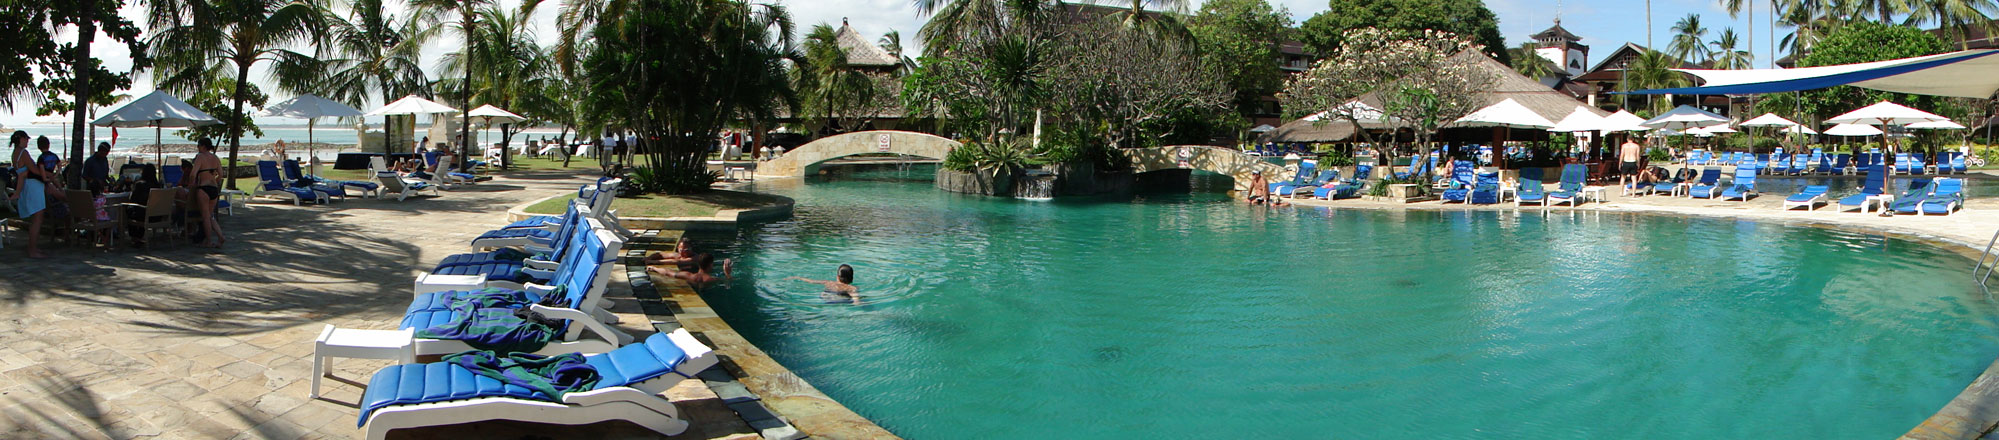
<point x="1188" y="316"/>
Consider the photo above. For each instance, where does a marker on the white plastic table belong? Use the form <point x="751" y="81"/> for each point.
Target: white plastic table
<point x="398" y="345"/>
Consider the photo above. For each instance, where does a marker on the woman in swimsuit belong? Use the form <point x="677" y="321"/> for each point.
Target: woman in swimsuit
<point x="207" y="180"/>
<point x="30" y="190"/>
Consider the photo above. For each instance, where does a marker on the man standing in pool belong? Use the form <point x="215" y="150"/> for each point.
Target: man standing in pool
<point x="840" y="289"/>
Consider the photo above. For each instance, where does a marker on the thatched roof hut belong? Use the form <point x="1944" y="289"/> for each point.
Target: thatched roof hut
<point x="1538" y="97"/>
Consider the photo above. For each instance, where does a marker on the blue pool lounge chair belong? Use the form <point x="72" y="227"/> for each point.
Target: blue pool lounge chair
<point x="1325" y="177"/>
<point x="1839" y="162"/>
<point x="1673" y="186"/>
<point x="630" y="382"/>
<point x="1957" y="163"/>
<point x="575" y="298"/>
<point x="1570" y="190"/>
<point x="1302" y="179"/>
<point x="337" y="188"/>
<point x="1347" y="189"/>
<point x="587" y="194"/>
<point x="1912" y="199"/>
<point x="508" y="268"/>
<point x="1810" y="198"/>
<point x="1744" y="185"/>
<point x="1708" y="186"/>
<point x="1870" y="190"/>
<point x="1903" y="164"/>
<point x="1486" y="190"/>
<point x="1530" y="188"/>
<point x="1462" y="181"/>
<point x="271" y="185"/>
<point x="1946" y="196"/>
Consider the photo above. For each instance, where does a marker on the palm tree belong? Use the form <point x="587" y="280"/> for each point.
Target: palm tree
<point x="830" y="89"/>
<point x="1155" y="24"/>
<point x="1689" y="39"/>
<point x="953" y="20"/>
<point x="369" y="54"/>
<point x="1739" y="6"/>
<point x="198" y="34"/>
<point x="1955" y="17"/>
<point x="507" y="69"/>
<point x="1726" y="56"/>
<point x="436" y="11"/>
<point x="1531" y="64"/>
<point x="1653" y="69"/>
<point x="1883" y="10"/>
<point x="892" y="42"/>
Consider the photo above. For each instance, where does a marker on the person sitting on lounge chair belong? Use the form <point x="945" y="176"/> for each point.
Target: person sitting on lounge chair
<point x="701" y="276"/>
<point x="841" y="289"/>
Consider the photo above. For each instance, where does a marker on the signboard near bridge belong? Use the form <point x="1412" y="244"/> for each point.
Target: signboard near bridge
<point x="883" y="142"/>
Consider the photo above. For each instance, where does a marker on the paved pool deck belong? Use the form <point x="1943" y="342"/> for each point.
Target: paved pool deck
<point x="183" y="342"/>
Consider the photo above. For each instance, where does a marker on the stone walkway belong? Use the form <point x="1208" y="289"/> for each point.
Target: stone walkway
<point x="183" y="342"/>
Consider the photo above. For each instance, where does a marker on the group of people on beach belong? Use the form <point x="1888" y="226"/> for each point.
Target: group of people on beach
<point x="38" y="190"/>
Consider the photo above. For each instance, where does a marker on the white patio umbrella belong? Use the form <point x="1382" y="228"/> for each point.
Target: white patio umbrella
<point x="1937" y="125"/>
<point x="1260" y="129"/>
<point x="1884" y="114"/>
<point x="1685" y="117"/>
<point x="492" y="114"/>
<point x="1622" y="121"/>
<point x="1505" y="113"/>
<point x="1582" y="119"/>
<point x="157" y="109"/>
<point x="1767" y="120"/>
<point x="311" y="108"/>
<point x="411" y="105"/>
<point x="1853" y="130"/>
<point x="1800" y="129"/>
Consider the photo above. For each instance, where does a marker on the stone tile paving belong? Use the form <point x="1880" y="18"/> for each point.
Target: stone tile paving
<point x="181" y="342"/>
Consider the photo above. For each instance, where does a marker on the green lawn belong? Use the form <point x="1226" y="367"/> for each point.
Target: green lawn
<point x="659" y="205"/>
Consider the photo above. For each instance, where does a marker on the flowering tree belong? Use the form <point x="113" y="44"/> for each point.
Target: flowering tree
<point x="1422" y="81"/>
<point x="1131" y="82"/>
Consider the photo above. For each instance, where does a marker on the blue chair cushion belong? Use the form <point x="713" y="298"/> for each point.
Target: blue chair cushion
<point x="502" y="255"/>
<point x="1802" y="197"/>
<point x="535" y="222"/>
<point x="1854" y="200"/>
<point x="433" y="382"/>
<point x="637" y="363"/>
<point x="517" y="233"/>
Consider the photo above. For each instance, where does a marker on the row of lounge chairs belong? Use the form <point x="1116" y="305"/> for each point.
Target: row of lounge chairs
<point x="1327" y="185"/>
<point x="1817" y="162"/>
<point x="1924" y="196"/>
<point x="559" y="267"/>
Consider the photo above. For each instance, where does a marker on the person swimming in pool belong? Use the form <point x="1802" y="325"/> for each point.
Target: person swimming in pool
<point x="682" y="255"/>
<point x="702" y="275"/>
<point x="841" y="289"/>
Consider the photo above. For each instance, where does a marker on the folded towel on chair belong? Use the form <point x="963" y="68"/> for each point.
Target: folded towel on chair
<point x="553" y="376"/>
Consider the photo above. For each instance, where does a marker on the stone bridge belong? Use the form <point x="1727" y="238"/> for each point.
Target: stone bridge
<point x="1224" y="161"/>
<point x="806" y="158"/>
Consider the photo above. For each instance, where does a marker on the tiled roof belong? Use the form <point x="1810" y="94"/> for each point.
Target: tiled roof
<point x="860" y="51"/>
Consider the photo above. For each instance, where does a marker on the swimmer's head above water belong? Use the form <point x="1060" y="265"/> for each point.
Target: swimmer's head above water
<point x="846" y="274"/>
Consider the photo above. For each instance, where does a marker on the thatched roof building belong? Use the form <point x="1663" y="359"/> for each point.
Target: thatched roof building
<point x="1538" y="97"/>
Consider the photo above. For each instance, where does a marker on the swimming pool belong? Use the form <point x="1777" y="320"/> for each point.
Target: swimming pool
<point x="1188" y="316"/>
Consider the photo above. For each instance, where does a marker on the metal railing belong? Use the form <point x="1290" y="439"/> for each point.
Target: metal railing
<point x="1987" y="256"/>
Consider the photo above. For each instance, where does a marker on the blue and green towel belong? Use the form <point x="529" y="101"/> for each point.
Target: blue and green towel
<point x="495" y="319"/>
<point x="553" y="376"/>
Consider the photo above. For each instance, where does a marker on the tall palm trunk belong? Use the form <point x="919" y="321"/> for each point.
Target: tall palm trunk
<point x="465" y="115"/>
<point x="1648" y="26"/>
<point x="236" y="123"/>
<point x="87" y="29"/>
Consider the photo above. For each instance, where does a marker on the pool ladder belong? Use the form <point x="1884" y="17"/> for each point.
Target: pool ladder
<point x="1988" y="256"/>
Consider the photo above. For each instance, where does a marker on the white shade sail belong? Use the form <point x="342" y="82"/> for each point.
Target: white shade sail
<point x="55" y="119"/>
<point x="1582" y="119"/>
<point x="1505" y="113"/>
<point x="1685" y="117"/>
<point x="1265" y="128"/>
<point x="157" y="109"/>
<point x="310" y="107"/>
<point x="1800" y="129"/>
<point x="1853" y="130"/>
<point x="1768" y="120"/>
<point x="1709" y="131"/>
<point x="495" y="115"/>
<point x="1963" y="74"/>
<point x="1885" y="113"/>
<point x="1622" y="121"/>
<point x="1938" y="125"/>
<point x="412" y="105"/>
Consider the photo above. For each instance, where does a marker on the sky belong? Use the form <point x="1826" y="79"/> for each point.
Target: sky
<point x="1603" y="24"/>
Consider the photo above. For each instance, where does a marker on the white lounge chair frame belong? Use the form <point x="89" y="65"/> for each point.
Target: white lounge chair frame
<point x="639" y="403"/>
<point x="1810" y="205"/>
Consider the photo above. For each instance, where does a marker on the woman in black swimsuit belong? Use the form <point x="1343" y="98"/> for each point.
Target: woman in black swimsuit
<point x="207" y="179"/>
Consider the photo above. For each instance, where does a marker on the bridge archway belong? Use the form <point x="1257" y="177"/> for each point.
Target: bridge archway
<point x="806" y="158"/>
<point x="1224" y="161"/>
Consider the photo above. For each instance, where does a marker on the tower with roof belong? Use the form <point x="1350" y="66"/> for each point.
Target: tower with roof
<point x="1563" y="48"/>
